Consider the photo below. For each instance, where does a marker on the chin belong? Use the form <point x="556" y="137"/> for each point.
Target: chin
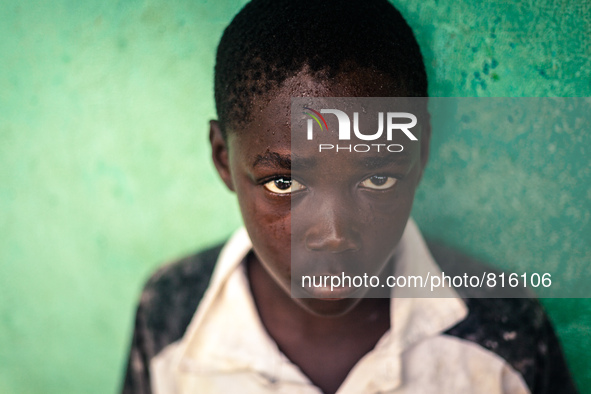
<point x="328" y="307"/>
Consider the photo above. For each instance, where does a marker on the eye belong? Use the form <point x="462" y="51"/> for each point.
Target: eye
<point x="379" y="182"/>
<point x="284" y="185"/>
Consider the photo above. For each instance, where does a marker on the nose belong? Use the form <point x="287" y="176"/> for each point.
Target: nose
<point x="332" y="227"/>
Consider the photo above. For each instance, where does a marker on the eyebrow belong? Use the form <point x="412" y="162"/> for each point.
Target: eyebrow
<point x="274" y="159"/>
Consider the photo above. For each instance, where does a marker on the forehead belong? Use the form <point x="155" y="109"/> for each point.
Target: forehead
<point x="277" y="138"/>
<point x="272" y="108"/>
<point x="352" y="82"/>
<point x="266" y="139"/>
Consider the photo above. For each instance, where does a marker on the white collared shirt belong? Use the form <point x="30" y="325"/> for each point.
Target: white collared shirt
<point x="226" y="348"/>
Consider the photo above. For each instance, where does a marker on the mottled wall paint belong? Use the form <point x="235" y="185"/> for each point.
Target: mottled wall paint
<point x="519" y="200"/>
<point x="104" y="167"/>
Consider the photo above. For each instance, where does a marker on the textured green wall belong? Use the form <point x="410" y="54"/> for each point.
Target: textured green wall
<point x="104" y="169"/>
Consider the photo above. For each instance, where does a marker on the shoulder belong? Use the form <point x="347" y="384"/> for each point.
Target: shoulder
<point x="513" y="325"/>
<point x="167" y="304"/>
<point x="171" y="296"/>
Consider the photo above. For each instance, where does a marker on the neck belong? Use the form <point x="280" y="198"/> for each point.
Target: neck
<point x="283" y="315"/>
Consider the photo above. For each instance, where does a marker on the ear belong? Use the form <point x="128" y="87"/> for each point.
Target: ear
<point x="219" y="153"/>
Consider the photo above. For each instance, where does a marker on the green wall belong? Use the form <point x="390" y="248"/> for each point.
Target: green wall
<point x="104" y="168"/>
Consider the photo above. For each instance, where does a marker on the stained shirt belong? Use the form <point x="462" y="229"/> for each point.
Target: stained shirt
<point x="226" y="348"/>
<point x="197" y="330"/>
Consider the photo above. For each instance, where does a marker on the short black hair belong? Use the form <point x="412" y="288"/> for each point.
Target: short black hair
<point x="269" y="41"/>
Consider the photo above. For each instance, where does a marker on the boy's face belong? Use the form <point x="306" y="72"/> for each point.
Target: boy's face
<point x="346" y="216"/>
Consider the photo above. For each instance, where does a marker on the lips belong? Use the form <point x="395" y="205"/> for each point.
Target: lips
<point x="331" y="276"/>
<point x="329" y="264"/>
<point x="326" y="286"/>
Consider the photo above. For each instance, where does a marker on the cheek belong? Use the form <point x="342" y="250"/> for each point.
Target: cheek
<point x="385" y="220"/>
<point x="383" y="228"/>
<point x="268" y="223"/>
<point x="390" y="210"/>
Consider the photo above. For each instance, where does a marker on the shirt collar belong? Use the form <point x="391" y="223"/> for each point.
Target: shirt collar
<point x="414" y="317"/>
<point x="249" y="346"/>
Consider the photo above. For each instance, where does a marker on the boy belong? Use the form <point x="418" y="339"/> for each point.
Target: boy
<point x="224" y="320"/>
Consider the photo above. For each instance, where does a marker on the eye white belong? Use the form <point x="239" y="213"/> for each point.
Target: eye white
<point x="283" y="185"/>
<point x="379" y="182"/>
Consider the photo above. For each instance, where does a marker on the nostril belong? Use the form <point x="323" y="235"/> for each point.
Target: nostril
<point x="332" y="244"/>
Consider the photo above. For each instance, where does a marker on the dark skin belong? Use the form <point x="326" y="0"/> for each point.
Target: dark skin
<point x="325" y="338"/>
